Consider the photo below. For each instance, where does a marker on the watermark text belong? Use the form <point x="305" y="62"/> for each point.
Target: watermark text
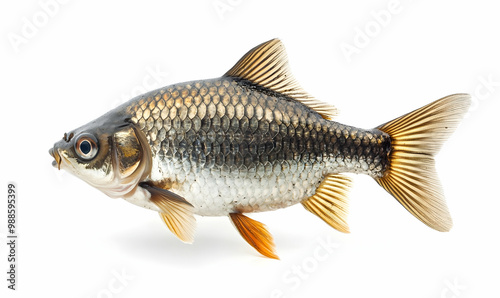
<point x="294" y="277"/>
<point x="32" y="25"/>
<point x="365" y="34"/>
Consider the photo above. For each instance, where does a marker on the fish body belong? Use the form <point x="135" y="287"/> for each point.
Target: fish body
<point x="253" y="140"/>
<point x="226" y="145"/>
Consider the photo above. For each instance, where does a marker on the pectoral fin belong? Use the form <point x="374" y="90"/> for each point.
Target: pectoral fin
<point x="255" y="233"/>
<point x="176" y="212"/>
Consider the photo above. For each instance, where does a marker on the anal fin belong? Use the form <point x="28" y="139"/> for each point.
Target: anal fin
<point x="255" y="233"/>
<point x="330" y="201"/>
<point x="176" y="212"/>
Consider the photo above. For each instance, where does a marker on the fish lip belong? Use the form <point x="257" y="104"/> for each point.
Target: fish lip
<point x="57" y="158"/>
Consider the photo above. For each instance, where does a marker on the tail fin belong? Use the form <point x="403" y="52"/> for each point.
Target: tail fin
<point x="415" y="139"/>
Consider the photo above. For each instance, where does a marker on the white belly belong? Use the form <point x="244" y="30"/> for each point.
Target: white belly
<point x="219" y="191"/>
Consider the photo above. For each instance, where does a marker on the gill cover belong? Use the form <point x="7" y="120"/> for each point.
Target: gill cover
<point x="127" y="152"/>
<point x="132" y="157"/>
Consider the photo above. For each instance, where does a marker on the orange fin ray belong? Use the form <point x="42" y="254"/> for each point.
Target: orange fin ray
<point x="255" y="233"/>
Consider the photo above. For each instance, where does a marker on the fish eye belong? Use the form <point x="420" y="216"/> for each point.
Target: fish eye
<point x="86" y="146"/>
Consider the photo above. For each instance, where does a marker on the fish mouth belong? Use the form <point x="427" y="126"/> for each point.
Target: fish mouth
<point x="57" y="158"/>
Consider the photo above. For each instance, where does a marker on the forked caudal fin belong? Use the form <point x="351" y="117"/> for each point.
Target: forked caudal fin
<point x="415" y="139"/>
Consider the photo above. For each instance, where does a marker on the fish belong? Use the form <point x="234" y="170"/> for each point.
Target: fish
<point x="254" y="140"/>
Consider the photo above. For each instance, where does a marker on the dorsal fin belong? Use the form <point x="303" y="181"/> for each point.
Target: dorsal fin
<point x="267" y="65"/>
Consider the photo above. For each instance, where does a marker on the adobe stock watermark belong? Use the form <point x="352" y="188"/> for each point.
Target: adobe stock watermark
<point x="222" y="7"/>
<point x="364" y="34"/>
<point x="485" y="89"/>
<point x="294" y="277"/>
<point x="154" y="78"/>
<point x="115" y="285"/>
<point x="32" y="25"/>
<point x="452" y="289"/>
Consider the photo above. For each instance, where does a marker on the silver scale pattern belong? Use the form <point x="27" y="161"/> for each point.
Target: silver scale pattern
<point x="228" y="145"/>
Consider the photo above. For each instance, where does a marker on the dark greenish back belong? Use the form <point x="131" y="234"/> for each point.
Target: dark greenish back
<point x="235" y="126"/>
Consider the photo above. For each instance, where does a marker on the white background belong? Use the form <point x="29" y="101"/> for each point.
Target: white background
<point x="88" y="56"/>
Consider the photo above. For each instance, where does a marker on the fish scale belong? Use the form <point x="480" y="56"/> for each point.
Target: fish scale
<point x="237" y="133"/>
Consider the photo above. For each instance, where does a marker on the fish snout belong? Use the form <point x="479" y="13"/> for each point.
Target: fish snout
<point x="57" y="158"/>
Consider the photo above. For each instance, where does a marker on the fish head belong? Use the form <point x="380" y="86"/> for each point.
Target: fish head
<point x="109" y="155"/>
